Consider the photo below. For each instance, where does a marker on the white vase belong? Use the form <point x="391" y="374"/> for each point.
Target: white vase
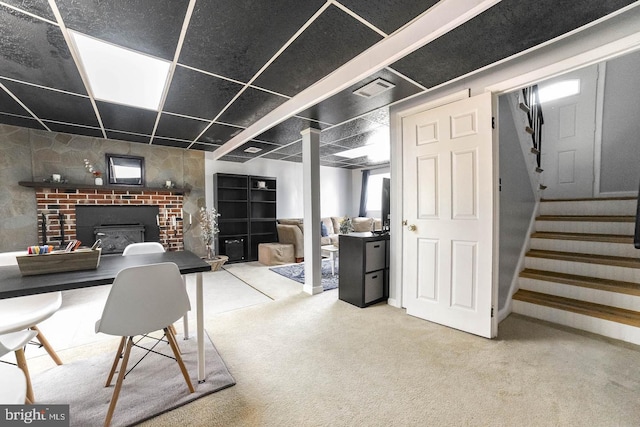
<point x="98" y="180"/>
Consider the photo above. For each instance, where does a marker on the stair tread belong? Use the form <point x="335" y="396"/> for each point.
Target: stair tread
<point x="587" y="218"/>
<point x="590" y="258"/>
<point x="591" y="199"/>
<point x="614" y="314"/>
<point x="590" y="237"/>
<point x="609" y="285"/>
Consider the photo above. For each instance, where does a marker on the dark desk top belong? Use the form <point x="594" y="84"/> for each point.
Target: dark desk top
<point x="13" y="284"/>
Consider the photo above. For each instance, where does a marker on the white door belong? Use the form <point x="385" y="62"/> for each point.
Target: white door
<point x="448" y="187"/>
<point x="568" y="137"/>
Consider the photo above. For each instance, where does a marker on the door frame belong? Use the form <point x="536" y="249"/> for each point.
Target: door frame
<point x="539" y="67"/>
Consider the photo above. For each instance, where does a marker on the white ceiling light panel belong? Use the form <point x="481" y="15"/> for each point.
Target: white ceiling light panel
<point x="121" y="75"/>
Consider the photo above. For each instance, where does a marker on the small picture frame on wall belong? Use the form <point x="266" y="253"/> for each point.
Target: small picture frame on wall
<point x="125" y="170"/>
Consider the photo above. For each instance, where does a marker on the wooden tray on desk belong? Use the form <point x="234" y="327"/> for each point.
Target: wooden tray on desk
<point x="59" y="261"/>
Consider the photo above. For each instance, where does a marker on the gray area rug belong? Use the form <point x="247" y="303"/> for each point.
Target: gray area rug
<point x="296" y="272"/>
<point x="153" y="387"/>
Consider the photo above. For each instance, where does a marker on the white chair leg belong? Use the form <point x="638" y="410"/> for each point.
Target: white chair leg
<point x="43" y="341"/>
<point x="176" y="353"/>
<point x="21" y="361"/>
<point x="116" y="390"/>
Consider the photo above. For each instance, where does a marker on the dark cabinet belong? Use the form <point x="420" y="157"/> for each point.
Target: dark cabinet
<point x="364" y="268"/>
<point x="247" y="208"/>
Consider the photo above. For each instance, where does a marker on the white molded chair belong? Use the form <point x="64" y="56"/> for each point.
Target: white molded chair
<point x="14" y="385"/>
<point x="143" y="299"/>
<point x="15" y="341"/>
<point x="143" y="248"/>
<point x="26" y="312"/>
<point x="154" y="248"/>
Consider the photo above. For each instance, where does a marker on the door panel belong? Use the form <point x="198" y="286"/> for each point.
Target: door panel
<point x="448" y="181"/>
<point x="568" y="138"/>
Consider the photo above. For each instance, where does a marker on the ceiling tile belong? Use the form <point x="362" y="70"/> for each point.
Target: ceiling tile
<point x="24" y="122"/>
<point x="250" y="106"/>
<point x="187" y="90"/>
<point x="128" y="137"/>
<point x="9" y="105"/>
<point x="234" y="159"/>
<point x="37" y="7"/>
<point x="52" y="105"/>
<point x="180" y="127"/>
<point x="288" y="131"/>
<point x="346" y="105"/>
<point x="124" y="118"/>
<point x="380" y="116"/>
<point x="388" y="15"/>
<point x="347" y="130"/>
<point x="74" y="130"/>
<point x="204" y="147"/>
<point x="291" y="149"/>
<point x="236" y="38"/>
<point x="274" y="156"/>
<point x="361" y="139"/>
<point x="35" y="51"/>
<point x="501" y="31"/>
<point x="330" y="150"/>
<point x="219" y="133"/>
<point x="166" y="142"/>
<point x="329" y="42"/>
<point x="148" y="26"/>
<point x="265" y="148"/>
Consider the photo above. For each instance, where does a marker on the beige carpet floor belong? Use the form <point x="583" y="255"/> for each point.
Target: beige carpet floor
<point x="303" y="360"/>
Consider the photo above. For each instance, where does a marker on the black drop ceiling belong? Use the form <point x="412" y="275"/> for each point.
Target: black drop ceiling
<point x="240" y="60"/>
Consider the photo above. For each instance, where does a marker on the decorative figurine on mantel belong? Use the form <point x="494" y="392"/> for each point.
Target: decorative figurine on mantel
<point x="209" y="226"/>
<point x="97" y="175"/>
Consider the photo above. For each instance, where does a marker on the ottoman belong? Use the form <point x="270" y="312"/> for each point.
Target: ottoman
<point x="275" y="253"/>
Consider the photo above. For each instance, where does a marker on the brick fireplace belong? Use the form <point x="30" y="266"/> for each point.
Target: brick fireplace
<point x="56" y="209"/>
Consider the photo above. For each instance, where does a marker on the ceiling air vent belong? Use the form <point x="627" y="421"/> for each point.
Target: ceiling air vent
<point x="253" y="150"/>
<point x="374" y="88"/>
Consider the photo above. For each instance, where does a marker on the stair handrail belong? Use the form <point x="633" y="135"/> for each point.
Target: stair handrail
<point x="535" y="119"/>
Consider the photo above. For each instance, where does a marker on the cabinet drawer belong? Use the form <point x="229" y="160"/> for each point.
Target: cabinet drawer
<point x="374" y="256"/>
<point x="373" y="286"/>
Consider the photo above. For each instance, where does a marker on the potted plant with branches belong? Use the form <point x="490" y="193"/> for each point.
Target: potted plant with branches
<point x="209" y="229"/>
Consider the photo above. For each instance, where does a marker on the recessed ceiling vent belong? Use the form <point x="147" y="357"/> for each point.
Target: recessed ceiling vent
<point x="253" y="150"/>
<point x="374" y="88"/>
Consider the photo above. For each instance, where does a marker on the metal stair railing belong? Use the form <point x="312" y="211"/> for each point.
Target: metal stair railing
<point x="531" y="105"/>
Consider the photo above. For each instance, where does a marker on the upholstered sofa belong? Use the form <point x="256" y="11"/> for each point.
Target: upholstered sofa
<point x="291" y="230"/>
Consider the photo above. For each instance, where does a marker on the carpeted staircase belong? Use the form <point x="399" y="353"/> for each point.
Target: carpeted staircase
<point x="583" y="270"/>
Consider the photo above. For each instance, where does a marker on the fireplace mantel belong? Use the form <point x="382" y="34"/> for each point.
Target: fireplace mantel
<point x="71" y="186"/>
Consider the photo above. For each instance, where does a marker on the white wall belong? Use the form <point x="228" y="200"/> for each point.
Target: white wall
<point x="621" y="125"/>
<point x="336" y="192"/>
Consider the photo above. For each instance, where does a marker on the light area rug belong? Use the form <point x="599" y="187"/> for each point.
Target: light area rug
<point x="155" y="386"/>
<point x="296" y="272"/>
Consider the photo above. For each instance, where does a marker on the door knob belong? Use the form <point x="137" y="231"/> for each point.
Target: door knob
<point x="412" y="227"/>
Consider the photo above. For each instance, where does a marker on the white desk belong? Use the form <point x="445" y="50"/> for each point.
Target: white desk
<point x="13" y="284"/>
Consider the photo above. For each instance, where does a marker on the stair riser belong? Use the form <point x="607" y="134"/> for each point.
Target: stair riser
<point x="617" y="228"/>
<point x="586" y="323"/>
<point x="597" y="296"/>
<point x="611" y="272"/>
<point x="585" y="247"/>
<point x="591" y="207"/>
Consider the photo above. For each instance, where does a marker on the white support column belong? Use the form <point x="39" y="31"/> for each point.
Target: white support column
<point x="311" y="196"/>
